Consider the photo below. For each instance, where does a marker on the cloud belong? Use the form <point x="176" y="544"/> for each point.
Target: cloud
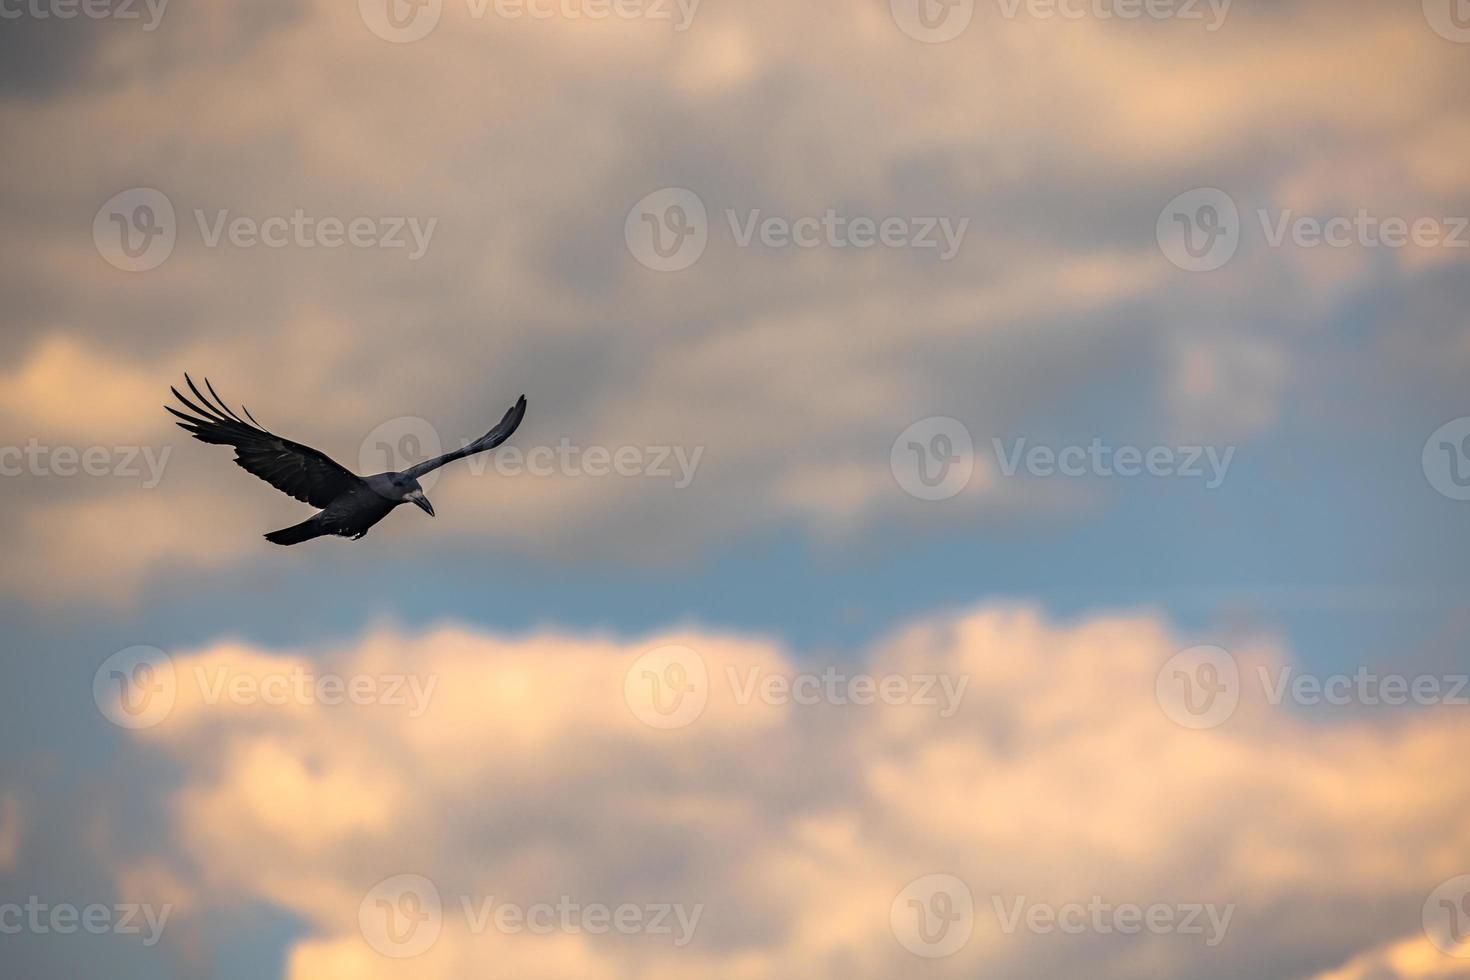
<point x="535" y="775"/>
<point x="794" y="369"/>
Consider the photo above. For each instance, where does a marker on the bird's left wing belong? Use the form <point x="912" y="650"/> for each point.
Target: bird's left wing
<point x="489" y="440"/>
<point x="310" y="476"/>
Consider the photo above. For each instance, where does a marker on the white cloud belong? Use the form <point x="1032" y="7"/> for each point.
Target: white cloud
<point x="795" y="826"/>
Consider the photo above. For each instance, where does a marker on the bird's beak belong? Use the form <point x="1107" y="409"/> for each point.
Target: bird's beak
<point x="418" y="497"/>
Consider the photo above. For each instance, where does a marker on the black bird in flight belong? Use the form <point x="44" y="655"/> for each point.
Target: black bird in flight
<point x="350" y="504"/>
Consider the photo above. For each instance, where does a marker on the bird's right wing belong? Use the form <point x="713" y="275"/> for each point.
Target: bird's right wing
<point x="310" y="476"/>
<point x="502" y="431"/>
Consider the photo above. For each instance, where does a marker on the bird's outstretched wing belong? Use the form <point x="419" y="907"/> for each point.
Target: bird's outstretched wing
<point x="310" y="476"/>
<point x="489" y="440"/>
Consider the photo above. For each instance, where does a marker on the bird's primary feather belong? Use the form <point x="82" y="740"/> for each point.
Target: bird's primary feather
<point x="307" y="474"/>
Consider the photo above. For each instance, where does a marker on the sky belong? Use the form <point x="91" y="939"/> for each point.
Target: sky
<point x="992" y="501"/>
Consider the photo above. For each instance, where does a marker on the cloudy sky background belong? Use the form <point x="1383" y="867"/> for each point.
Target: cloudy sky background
<point x="791" y="371"/>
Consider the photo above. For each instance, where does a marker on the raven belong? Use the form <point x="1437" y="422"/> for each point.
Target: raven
<point x="349" y="504"/>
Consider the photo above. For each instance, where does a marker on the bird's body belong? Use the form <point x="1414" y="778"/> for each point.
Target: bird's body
<point x="350" y="515"/>
<point x="350" y="504"/>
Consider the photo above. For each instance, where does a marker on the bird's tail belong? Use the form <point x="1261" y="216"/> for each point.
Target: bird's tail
<point x="297" y="533"/>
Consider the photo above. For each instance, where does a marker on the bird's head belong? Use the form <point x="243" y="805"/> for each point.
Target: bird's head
<point x="411" y="492"/>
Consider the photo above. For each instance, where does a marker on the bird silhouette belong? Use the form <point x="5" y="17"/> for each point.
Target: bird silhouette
<point x="350" y="504"/>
